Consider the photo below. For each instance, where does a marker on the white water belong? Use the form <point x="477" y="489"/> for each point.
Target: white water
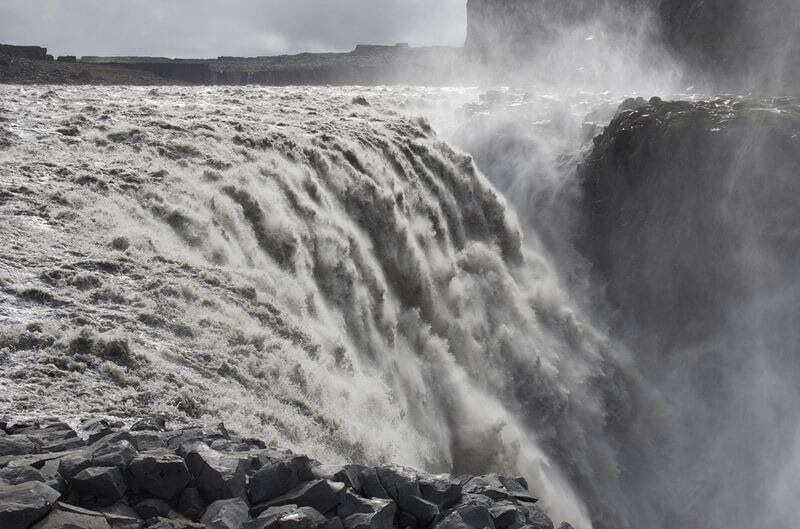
<point x="331" y="273"/>
<point x="339" y="277"/>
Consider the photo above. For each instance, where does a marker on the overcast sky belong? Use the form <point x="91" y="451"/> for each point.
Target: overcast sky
<point x="208" y="28"/>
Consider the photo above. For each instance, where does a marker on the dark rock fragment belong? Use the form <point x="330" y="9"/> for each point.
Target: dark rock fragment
<point x="160" y="473"/>
<point x="21" y="474"/>
<point x="278" y="478"/>
<point x="507" y="514"/>
<point x="65" y="516"/>
<point x="402" y="486"/>
<point x="15" y="445"/>
<point x="321" y="494"/>
<point x="219" y="476"/>
<point x="270" y="517"/>
<point x="24" y="504"/>
<point x="151" y="424"/>
<point x="191" y="503"/>
<point x="226" y="514"/>
<point x="442" y="490"/>
<point x="152" y="508"/>
<point x="99" y="485"/>
<point x="352" y="503"/>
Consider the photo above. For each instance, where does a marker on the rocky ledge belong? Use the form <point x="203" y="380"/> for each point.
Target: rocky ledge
<point x="101" y="473"/>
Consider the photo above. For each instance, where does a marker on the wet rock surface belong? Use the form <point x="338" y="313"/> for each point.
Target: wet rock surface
<point x="240" y="486"/>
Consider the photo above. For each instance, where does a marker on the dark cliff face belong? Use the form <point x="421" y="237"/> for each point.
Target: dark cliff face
<point x="691" y="223"/>
<point x="753" y="44"/>
<point x="728" y="44"/>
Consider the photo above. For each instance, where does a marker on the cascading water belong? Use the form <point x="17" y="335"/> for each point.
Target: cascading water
<point x="295" y="262"/>
<point x="328" y="270"/>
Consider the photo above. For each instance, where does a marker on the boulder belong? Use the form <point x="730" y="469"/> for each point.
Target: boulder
<point x="23" y="474"/>
<point x="476" y="516"/>
<point x="565" y="525"/>
<point x="488" y="485"/>
<point x="16" y="445"/>
<point x="375" y="513"/>
<point x="166" y="523"/>
<point x="321" y="494"/>
<point x="160" y="473"/>
<point x="152" y="424"/>
<point x="117" y="454"/>
<point x="99" y="485"/>
<point x="219" y="476"/>
<point x="65" y="516"/>
<point x="352" y="503"/>
<point x="278" y="478"/>
<point x="152" y="508"/>
<point x="226" y="514"/>
<point x="347" y="474"/>
<point x="401" y="485"/>
<point x="24" y="504"/>
<point x="191" y="503"/>
<point x="93" y="430"/>
<point x="441" y="490"/>
<point x="536" y="519"/>
<point x="303" y="518"/>
<point x="369" y="483"/>
<point x="507" y="515"/>
<point x="270" y="517"/>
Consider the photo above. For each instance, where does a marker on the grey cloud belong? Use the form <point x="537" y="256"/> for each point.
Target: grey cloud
<point x="207" y="28"/>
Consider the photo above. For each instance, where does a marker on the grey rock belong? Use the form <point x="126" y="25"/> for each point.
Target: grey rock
<point x="352" y="503"/>
<point x="507" y="515"/>
<point x="93" y="430"/>
<point x="219" y="476"/>
<point x="160" y="473"/>
<point x="321" y="494"/>
<point x="270" y="517"/>
<point x="347" y="474"/>
<point x="442" y="490"/>
<point x="16" y="445"/>
<point x="152" y="508"/>
<point x="191" y="503"/>
<point x="226" y="514"/>
<point x="303" y="518"/>
<point x="23" y="474"/>
<point x="536" y="519"/>
<point x="118" y="454"/>
<point x="24" y="504"/>
<point x="370" y="485"/>
<point x="278" y="478"/>
<point x="99" y="485"/>
<point x="65" y="516"/>
<point x="165" y="523"/>
<point x="565" y="525"/>
<point x="476" y="516"/>
<point x="152" y="424"/>
<point x="488" y="485"/>
<point x="401" y="484"/>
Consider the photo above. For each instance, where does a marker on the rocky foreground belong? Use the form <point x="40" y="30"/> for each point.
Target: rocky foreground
<point x="104" y="473"/>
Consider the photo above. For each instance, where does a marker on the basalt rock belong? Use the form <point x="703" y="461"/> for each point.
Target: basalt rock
<point x="24" y="504"/>
<point x="161" y="473"/>
<point x="185" y="484"/>
<point x="99" y="486"/>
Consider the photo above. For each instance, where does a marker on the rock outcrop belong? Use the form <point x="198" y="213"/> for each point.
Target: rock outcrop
<point x="34" y="53"/>
<point x="665" y="185"/>
<point x="155" y="479"/>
